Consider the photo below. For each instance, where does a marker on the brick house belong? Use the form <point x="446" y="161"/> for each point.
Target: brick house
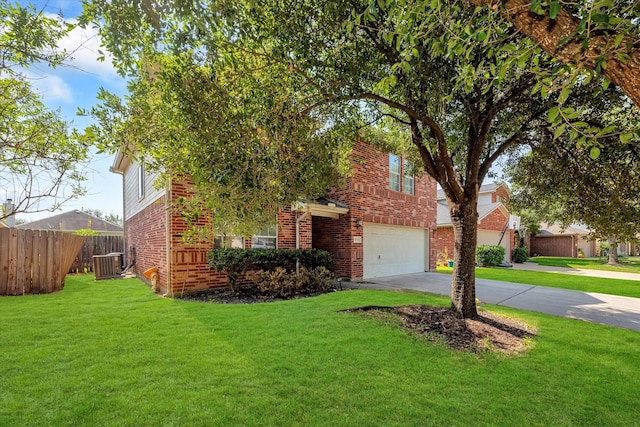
<point x="381" y="223"/>
<point x="495" y="224"/>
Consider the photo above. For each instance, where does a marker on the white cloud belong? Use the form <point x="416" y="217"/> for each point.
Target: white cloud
<point x="83" y="45"/>
<point x="50" y="87"/>
<point x="54" y="88"/>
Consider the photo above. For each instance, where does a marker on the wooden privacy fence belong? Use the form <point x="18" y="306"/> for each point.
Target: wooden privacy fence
<point x="96" y="245"/>
<point x="35" y="261"/>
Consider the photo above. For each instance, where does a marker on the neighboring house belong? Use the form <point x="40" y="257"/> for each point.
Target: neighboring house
<point x="495" y="224"/>
<point x="73" y="221"/>
<point x="381" y="223"/>
<point x="108" y="238"/>
<point x="553" y="240"/>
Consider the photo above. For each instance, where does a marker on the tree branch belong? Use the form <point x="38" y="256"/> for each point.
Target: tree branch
<point x="548" y="33"/>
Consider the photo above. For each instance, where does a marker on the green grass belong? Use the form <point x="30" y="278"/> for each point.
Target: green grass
<point x="627" y="288"/>
<point x="112" y="353"/>
<point x="627" y="264"/>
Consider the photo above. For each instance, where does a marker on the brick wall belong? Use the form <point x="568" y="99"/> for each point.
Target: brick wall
<point x="502" y="192"/>
<point x="287" y="229"/>
<point x="444" y="244"/>
<point x="189" y="266"/>
<point x="145" y="235"/>
<point x="369" y="198"/>
<point x="335" y="236"/>
<point x="496" y="221"/>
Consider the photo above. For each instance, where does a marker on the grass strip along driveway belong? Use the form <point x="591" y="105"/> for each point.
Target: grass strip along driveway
<point x="113" y="353"/>
<point x="627" y="264"/>
<point x="625" y="288"/>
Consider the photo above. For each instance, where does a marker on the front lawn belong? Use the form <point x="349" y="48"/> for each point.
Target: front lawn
<point x="113" y="353"/>
<point x="627" y="288"/>
<point x="627" y="264"/>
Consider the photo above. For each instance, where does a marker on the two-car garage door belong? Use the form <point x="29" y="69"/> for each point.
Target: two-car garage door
<point x="390" y="250"/>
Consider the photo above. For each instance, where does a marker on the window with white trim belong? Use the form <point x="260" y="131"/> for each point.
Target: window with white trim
<point x="394" y="172"/>
<point x="141" y="180"/>
<point x="409" y="179"/>
<point x="267" y="238"/>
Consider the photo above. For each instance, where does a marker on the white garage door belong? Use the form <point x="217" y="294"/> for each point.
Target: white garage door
<point x="486" y="237"/>
<point x="392" y="250"/>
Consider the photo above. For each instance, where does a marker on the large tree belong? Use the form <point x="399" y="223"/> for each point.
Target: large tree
<point x="564" y="183"/>
<point x="39" y="156"/>
<point x="460" y="84"/>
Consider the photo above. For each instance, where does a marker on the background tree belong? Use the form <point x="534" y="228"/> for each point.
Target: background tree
<point x="111" y="217"/>
<point x="566" y="184"/>
<point x="39" y="156"/>
<point x="458" y="85"/>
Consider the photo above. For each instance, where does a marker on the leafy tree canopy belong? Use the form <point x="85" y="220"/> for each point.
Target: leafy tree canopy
<point x="39" y="157"/>
<point x="566" y="184"/>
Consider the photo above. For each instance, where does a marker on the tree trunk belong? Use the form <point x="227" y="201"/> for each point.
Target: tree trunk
<point x="464" y="217"/>
<point x="613" y="252"/>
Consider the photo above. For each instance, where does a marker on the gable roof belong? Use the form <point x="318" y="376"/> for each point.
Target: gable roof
<point x="485" y="188"/>
<point x="557" y="230"/>
<point x="444" y="217"/>
<point x="73" y="221"/>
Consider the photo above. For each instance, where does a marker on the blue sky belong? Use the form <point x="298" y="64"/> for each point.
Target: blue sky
<point x="76" y="85"/>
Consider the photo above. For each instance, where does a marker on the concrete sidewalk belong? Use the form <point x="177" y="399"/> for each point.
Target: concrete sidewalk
<point x="612" y="310"/>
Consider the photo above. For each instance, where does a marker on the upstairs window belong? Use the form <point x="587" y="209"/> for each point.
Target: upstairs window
<point x="141" y="180"/>
<point x="267" y="238"/>
<point x="394" y="172"/>
<point x="408" y="178"/>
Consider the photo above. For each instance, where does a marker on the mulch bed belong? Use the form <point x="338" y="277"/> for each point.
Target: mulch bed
<point x="243" y="295"/>
<point x="487" y="332"/>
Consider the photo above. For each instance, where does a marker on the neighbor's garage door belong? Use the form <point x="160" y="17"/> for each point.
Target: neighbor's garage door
<point x="491" y="238"/>
<point x="392" y="250"/>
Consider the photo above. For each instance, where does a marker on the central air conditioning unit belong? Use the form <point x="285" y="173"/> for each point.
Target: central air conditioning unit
<point x="108" y="266"/>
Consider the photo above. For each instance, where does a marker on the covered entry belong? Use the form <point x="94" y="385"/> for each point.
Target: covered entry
<point x="391" y="250"/>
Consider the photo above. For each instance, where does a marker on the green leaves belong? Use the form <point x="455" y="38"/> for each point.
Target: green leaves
<point x="554" y="9"/>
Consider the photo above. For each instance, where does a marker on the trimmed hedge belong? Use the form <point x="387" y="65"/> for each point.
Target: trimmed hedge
<point x="490" y="255"/>
<point x="235" y="262"/>
<point x="280" y="283"/>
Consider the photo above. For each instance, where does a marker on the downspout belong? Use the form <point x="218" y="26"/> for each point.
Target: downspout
<point x="298" y="220"/>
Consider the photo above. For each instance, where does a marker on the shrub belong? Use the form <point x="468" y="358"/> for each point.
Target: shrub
<point x="520" y="254"/>
<point x="280" y="283"/>
<point x="235" y="262"/>
<point x="489" y="256"/>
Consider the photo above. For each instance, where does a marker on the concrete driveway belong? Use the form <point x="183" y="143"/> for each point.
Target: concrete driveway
<point x="612" y="310"/>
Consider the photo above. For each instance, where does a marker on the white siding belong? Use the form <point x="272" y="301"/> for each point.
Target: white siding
<point x="133" y="204"/>
<point x="484" y="199"/>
